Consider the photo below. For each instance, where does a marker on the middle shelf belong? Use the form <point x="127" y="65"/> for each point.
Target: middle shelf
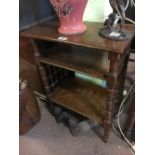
<point x="82" y="97"/>
<point x="83" y="60"/>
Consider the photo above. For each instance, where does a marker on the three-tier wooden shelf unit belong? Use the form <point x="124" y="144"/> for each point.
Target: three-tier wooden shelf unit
<point x="58" y="57"/>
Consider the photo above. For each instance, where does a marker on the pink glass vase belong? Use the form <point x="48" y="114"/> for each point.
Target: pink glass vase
<point x="70" y="13"/>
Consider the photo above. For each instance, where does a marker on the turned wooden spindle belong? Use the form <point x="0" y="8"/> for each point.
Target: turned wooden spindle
<point x="115" y="84"/>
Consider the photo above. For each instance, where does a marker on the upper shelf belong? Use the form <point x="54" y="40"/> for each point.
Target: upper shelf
<point x="48" y="31"/>
<point x="85" y="60"/>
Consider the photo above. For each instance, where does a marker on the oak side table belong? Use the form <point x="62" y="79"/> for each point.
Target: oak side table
<point x="58" y="57"/>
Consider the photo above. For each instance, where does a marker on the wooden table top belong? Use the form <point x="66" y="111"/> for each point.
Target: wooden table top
<point x="48" y="31"/>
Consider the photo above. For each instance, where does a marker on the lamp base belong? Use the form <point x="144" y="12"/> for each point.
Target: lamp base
<point x="114" y="34"/>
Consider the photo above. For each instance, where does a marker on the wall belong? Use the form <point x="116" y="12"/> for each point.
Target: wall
<point x="34" y="11"/>
<point x="94" y="11"/>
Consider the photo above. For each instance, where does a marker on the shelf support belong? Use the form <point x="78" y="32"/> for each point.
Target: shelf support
<point x="115" y="82"/>
<point x="42" y="71"/>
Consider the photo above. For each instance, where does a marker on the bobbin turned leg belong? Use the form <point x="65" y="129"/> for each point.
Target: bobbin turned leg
<point x="42" y="71"/>
<point x="115" y="81"/>
<point x="112" y="81"/>
<point x="111" y="100"/>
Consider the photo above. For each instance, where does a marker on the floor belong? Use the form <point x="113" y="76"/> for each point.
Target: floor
<point x="51" y="138"/>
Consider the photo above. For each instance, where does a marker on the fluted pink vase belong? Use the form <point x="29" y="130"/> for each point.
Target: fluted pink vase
<point x="70" y="13"/>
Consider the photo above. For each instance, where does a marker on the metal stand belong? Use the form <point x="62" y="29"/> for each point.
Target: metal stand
<point x="114" y="34"/>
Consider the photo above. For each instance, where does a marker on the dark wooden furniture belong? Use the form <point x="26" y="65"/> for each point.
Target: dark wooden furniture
<point x="87" y="53"/>
<point x="130" y="123"/>
<point x="29" y="112"/>
<point x="131" y="119"/>
<point x="27" y="67"/>
<point x="129" y="130"/>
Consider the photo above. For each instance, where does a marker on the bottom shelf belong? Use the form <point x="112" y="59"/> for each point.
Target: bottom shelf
<point x="82" y="97"/>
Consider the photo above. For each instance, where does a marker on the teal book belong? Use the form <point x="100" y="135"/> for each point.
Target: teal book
<point x="93" y="80"/>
